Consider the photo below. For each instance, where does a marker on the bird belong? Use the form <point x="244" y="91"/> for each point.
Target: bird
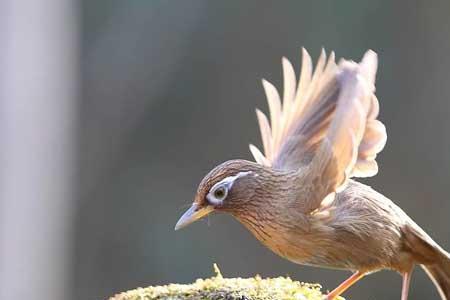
<point x="300" y="196"/>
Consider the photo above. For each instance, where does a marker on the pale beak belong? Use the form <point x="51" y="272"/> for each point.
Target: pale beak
<point x="193" y="214"/>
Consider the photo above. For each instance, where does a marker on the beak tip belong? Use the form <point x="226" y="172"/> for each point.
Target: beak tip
<point x="177" y="227"/>
<point x="192" y="215"/>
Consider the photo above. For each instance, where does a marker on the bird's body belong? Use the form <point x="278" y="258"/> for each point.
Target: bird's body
<point x="360" y="230"/>
<point x="344" y="235"/>
<point x="299" y="198"/>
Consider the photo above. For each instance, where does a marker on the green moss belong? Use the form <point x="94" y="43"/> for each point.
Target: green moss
<point x="218" y="288"/>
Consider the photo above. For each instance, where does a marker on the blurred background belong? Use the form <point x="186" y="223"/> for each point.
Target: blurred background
<point x="111" y="112"/>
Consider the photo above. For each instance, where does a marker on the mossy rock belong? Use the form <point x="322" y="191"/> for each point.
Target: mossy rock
<point x="219" y="288"/>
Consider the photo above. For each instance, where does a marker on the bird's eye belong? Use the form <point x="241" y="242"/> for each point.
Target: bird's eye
<point x="220" y="193"/>
<point x="217" y="195"/>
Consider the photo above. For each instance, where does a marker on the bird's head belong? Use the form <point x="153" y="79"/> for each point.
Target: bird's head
<point x="229" y="187"/>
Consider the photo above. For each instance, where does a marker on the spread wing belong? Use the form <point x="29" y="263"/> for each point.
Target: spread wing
<point x="326" y="119"/>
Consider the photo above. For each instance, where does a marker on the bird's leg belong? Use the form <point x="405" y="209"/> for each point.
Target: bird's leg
<point x="405" y="284"/>
<point x="345" y="285"/>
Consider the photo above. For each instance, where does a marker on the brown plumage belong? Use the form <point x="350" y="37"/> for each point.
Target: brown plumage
<point x="298" y="198"/>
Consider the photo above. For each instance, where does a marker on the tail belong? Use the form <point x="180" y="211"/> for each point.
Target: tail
<point x="433" y="259"/>
<point x="439" y="273"/>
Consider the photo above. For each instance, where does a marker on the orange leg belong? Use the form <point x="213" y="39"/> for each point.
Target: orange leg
<point x="405" y="284"/>
<point x="345" y="285"/>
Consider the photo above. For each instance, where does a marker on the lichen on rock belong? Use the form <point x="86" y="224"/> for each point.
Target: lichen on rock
<point x="219" y="288"/>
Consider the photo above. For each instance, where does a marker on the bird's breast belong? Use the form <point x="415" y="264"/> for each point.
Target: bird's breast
<point x="285" y="241"/>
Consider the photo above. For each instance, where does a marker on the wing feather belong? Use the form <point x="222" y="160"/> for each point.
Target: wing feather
<point x="259" y="157"/>
<point x="352" y="140"/>
<point x="304" y="81"/>
<point x="266" y="134"/>
<point x="274" y="101"/>
<point x="290" y="84"/>
<point x="304" y="99"/>
<point x="302" y="123"/>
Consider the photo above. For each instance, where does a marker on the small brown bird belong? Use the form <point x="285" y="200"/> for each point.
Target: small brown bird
<point x="299" y="200"/>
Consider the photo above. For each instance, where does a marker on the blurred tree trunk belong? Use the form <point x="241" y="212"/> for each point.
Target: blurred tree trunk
<point x="38" y="90"/>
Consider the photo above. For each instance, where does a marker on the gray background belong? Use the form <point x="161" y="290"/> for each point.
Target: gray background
<point x="168" y="90"/>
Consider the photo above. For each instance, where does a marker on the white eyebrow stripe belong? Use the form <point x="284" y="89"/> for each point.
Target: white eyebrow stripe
<point x="229" y="181"/>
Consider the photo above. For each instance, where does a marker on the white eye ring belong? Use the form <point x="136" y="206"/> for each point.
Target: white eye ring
<point x="218" y="194"/>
